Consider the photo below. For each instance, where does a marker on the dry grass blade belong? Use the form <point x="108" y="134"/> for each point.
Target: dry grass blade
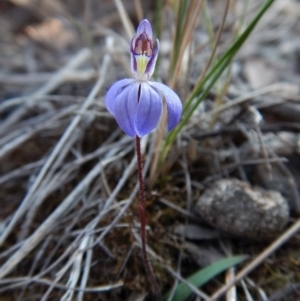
<point x="20" y="281"/>
<point x="231" y="293"/>
<point x="31" y="242"/>
<point x="51" y="85"/>
<point x="20" y="136"/>
<point x="187" y="38"/>
<point x="61" y="143"/>
<point x="125" y="18"/>
<point x="86" y="269"/>
<point x="76" y="269"/>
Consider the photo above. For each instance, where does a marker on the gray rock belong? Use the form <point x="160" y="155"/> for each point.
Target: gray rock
<point x="235" y="207"/>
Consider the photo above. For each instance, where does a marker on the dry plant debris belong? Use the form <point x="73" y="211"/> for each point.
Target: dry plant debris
<point x="69" y="228"/>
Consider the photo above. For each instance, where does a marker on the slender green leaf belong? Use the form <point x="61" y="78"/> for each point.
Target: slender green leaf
<point x="201" y="91"/>
<point x="204" y="275"/>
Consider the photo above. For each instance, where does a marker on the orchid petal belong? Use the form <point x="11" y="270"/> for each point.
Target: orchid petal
<point x="133" y="64"/>
<point x="173" y="102"/>
<point x="148" y="111"/>
<point x="125" y="108"/>
<point x="114" y="91"/>
<point x="144" y="27"/>
<point x="151" y="64"/>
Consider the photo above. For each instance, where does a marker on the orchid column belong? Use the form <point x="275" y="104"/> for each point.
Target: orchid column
<point x="137" y="105"/>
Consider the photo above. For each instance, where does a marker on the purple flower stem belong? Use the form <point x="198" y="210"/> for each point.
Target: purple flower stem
<point x="142" y="212"/>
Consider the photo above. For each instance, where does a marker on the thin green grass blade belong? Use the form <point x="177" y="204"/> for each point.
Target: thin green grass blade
<point x="231" y="52"/>
<point x="211" y="81"/>
<point x="204" y="275"/>
<point x="200" y="92"/>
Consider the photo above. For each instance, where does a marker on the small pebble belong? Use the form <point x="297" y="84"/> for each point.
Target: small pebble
<point x="237" y="208"/>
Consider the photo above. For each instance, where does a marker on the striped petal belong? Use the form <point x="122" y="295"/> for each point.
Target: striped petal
<point x="148" y="111"/>
<point x="114" y="91"/>
<point x="125" y="108"/>
<point x="173" y="102"/>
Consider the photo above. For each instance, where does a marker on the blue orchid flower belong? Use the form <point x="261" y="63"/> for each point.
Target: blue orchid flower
<point x="137" y="103"/>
